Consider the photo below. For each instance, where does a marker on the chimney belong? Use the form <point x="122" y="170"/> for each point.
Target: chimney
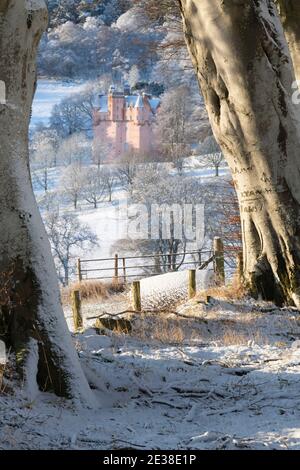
<point x="127" y="90"/>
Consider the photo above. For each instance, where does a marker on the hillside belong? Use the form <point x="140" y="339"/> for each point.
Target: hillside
<point x="87" y="39"/>
<point x="78" y="10"/>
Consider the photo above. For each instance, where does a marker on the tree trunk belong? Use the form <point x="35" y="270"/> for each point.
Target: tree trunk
<point x="290" y="15"/>
<point x="66" y="271"/>
<point x="245" y="73"/>
<point x="46" y="179"/>
<point x="32" y="319"/>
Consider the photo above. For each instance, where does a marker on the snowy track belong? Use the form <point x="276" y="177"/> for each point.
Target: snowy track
<point x="200" y="395"/>
<point x="167" y="289"/>
<point x="157" y="293"/>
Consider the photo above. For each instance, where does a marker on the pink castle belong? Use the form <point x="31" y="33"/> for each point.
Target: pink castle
<point x="123" y="123"/>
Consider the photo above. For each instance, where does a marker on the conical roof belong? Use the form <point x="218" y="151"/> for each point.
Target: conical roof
<point x="139" y="102"/>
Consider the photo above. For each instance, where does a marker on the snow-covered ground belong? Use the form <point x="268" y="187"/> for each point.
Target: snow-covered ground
<point x="166" y="289"/>
<point x="109" y="220"/>
<point x="48" y="94"/>
<point x="223" y="375"/>
<point x="232" y="382"/>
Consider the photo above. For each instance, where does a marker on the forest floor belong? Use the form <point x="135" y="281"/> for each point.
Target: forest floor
<point x="222" y="375"/>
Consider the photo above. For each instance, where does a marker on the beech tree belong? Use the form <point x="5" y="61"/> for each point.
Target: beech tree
<point x="245" y="72"/>
<point x="31" y="317"/>
<point x="290" y="14"/>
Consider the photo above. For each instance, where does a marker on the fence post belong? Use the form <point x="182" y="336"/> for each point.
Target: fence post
<point x="136" y="296"/>
<point x="76" y="309"/>
<point x="124" y="269"/>
<point x="240" y="267"/>
<point x="79" y="273"/>
<point x="116" y="278"/>
<point x="192" y="283"/>
<point x="218" y="249"/>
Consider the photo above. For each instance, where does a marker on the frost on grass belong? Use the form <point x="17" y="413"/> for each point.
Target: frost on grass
<point x="204" y="393"/>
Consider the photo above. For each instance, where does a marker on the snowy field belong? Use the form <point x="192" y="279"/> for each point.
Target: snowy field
<point x="233" y="385"/>
<point x="48" y="94"/>
<point x="109" y="220"/>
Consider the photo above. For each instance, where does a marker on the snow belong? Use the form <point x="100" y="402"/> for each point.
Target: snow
<point x="198" y="394"/>
<point x="131" y="21"/>
<point x="131" y="100"/>
<point x="166" y="289"/>
<point x="30" y="385"/>
<point x="109" y="221"/>
<point x="48" y="94"/>
<point x="154" y="103"/>
<point x="139" y="102"/>
<point x="103" y="103"/>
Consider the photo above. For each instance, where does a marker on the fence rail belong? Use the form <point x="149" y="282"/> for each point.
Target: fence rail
<point x="121" y="267"/>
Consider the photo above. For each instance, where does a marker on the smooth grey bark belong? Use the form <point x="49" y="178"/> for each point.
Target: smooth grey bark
<point x="245" y="73"/>
<point x="31" y="316"/>
<point x="290" y="16"/>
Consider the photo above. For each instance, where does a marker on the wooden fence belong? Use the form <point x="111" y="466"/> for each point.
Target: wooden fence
<point x="130" y="268"/>
<point x="120" y="267"/>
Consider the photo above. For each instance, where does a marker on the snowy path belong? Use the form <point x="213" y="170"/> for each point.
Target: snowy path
<point x="198" y="395"/>
<point x="167" y="289"/>
<point x="157" y="293"/>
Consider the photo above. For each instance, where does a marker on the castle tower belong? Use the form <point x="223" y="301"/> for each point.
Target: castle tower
<point x="139" y="107"/>
<point x="116" y="104"/>
<point x="124" y="121"/>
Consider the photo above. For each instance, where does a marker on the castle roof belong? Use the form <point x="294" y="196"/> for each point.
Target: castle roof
<point x="130" y="100"/>
<point x="154" y="103"/>
<point x="139" y="102"/>
<point x="136" y="101"/>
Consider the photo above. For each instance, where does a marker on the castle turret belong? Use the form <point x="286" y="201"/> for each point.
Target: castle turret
<point x="116" y="104"/>
<point x="139" y="107"/>
<point x="139" y="102"/>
